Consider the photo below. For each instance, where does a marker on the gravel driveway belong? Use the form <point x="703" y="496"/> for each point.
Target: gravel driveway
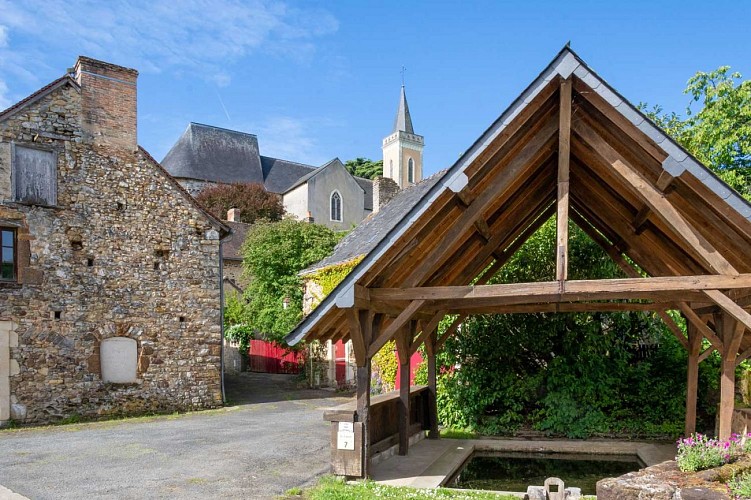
<point x="272" y="440"/>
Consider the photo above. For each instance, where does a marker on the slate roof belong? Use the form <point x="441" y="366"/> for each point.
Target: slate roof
<point x="367" y="185"/>
<point x="363" y="238"/>
<point x="232" y="244"/>
<point x="280" y="175"/>
<point x="215" y="154"/>
<point x="403" y="121"/>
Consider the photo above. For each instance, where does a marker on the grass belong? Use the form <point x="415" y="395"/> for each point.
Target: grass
<point x="332" y="488"/>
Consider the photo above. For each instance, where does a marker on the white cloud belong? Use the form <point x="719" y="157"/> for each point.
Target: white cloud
<point x="4" y="100"/>
<point x="290" y="138"/>
<point x="201" y="38"/>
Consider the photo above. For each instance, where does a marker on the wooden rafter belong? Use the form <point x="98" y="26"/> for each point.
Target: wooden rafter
<point x="394" y="327"/>
<point x="564" y="154"/>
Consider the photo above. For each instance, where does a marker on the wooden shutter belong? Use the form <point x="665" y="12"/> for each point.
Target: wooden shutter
<point x="35" y="176"/>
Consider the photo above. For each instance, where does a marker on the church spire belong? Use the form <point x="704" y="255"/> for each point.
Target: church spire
<point x="403" y="122"/>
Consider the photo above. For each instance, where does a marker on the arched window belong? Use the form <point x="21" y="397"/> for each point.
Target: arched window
<point x="411" y="171"/>
<point x="336" y="206"/>
<point x="391" y="168"/>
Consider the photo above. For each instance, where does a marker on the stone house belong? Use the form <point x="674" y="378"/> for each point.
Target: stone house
<point x="110" y="278"/>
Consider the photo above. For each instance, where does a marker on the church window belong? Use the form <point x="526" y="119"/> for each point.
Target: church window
<point x="336" y="206"/>
<point x="411" y="170"/>
<point x="8" y="267"/>
<point x="34" y="176"/>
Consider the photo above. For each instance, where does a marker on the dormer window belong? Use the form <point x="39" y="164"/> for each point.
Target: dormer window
<point x="411" y="171"/>
<point x="336" y="206"/>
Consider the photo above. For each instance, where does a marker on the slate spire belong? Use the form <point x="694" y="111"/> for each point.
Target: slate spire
<point x="403" y="120"/>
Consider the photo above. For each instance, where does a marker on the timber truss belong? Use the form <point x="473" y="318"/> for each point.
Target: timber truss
<point x="572" y="148"/>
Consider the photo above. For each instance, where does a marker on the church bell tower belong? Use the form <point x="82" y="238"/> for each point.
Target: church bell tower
<point x="402" y="149"/>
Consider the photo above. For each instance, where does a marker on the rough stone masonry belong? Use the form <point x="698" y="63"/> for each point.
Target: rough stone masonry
<point x="98" y="242"/>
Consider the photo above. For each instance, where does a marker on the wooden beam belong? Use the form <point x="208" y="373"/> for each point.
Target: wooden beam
<point x="427" y="331"/>
<point x="395" y="325"/>
<point x="701" y="326"/>
<point x="707" y="352"/>
<point x="694" y="345"/>
<point x="731" y="339"/>
<point x="657" y="202"/>
<point x="430" y="349"/>
<point x="483" y="229"/>
<point x="567" y="307"/>
<point x="531" y="153"/>
<point x="743" y="356"/>
<point x="450" y="330"/>
<point x="664" y="181"/>
<point x="363" y="413"/>
<point x="564" y="155"/>
<point x="577" y="290"/>
<point x="730" y="307"/>
<point x="403" y="341"/>
<point x="641" y="219"/>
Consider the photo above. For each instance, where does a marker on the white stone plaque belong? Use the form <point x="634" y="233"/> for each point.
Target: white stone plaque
<point x="345" y="440"/>
<point x="346" y="426"/>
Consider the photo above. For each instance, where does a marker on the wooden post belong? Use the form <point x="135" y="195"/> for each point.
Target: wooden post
<point x="731" y="336"/>
<point x="694" y="345"/>
<point x="430" y="348"/>
<point x="366" y="327"/>
<point x="363" y="413"/>
<point x="564" y="149"/>
<point x="403" y="339"/>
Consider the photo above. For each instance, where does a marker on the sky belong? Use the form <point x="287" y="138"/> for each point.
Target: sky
<point x="317" y="79"/>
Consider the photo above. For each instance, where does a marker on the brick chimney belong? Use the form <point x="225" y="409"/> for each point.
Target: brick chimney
<point x="233" y="215"/>
<point x="384" y="189"/>
<point x="108" y="102"/>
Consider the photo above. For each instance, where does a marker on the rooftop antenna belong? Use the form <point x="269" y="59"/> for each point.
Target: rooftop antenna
<point x="404" y="70"/>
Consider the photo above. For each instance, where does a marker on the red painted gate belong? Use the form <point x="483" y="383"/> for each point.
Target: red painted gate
<point x="340" y="362"/>
<point x="268" y="357"/>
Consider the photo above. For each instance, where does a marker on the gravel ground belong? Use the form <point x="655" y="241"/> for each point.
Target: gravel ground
<point x="272" y="440"/>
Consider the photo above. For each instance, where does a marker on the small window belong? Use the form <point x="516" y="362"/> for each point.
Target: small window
<point x="35" y="176"/>
<point x="411" y="171"/>
<point x="336" y="206"/>
<point x="8" y="242"/>
<point x="391" y="168"/>
<point x="118" y="357"/>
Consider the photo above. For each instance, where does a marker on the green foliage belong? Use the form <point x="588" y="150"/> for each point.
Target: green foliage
<point x="384" y="365"/>
<point x="235" y="312"/>
<point x="565" y="374"/>
<point x="719" y="133"/>
<point x="329" y="277"/>
<point x="364" y="167"/>
<point x="740" y="487"/>
<point x="330" y="487"/>
<point x="251" y="199"/>
<point x="273" y="255"/>
<point x="242" y="334"/>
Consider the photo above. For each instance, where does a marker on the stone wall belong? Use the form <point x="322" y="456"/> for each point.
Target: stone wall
<point x="384" y="189"/>
<point x="124" y="253"/>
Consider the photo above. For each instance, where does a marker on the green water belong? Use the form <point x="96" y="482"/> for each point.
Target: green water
<point x="514" y="471"/>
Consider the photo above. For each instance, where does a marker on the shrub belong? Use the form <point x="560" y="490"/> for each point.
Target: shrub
<point x="698" y="452"/>
<point x="740" y="487"/>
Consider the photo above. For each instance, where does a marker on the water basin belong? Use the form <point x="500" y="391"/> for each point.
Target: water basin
<point x="514" y="471"/>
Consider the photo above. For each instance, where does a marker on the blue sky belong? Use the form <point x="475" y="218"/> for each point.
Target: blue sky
<point x="315" y="80"/>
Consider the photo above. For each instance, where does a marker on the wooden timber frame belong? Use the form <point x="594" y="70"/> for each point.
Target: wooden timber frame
<point x="571" y="147"/>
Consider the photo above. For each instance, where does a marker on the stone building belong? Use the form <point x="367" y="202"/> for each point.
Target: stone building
<point x="110" y="278"/>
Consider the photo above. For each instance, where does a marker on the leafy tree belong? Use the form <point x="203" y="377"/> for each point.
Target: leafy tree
<point x="364" y="167"/>
<point x="251" y="199"/>
<point x="273" y="255"/>
<point x="719" y="132"/>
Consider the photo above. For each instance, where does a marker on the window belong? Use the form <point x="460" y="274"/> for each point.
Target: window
<point x="391" y="168"/>
<point x="8" y="260"/>
<point x="336" y="206"/>
<point x="34" y="176"/>
<point x="411" y="171"/>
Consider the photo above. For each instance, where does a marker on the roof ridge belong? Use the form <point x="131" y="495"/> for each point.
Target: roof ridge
<point x="289" y="161"/>
<point x="38" y="94"/>
<point x="190" y="124"/>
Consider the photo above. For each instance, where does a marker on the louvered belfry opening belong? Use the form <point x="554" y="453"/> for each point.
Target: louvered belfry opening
<point x="569" y="147"/>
